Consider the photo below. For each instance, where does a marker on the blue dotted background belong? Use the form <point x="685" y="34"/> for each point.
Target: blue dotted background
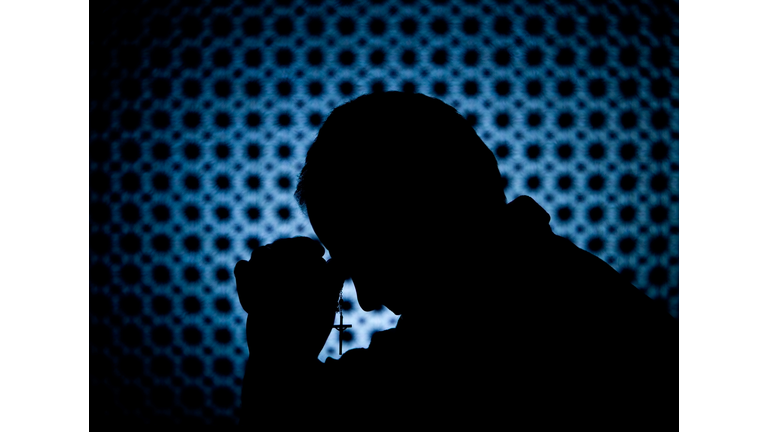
<point x="201" y="114"/>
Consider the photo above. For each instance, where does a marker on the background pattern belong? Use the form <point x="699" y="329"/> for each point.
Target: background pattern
<point x="202" y="113"/>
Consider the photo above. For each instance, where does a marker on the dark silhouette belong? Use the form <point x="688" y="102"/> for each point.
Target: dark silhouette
<point x="410" y="204"/>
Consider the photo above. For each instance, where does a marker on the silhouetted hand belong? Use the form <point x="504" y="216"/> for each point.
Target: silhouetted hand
<point x="290" y="294"/>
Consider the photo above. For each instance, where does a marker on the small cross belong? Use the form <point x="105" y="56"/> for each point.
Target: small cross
<point x="341" y="327"/>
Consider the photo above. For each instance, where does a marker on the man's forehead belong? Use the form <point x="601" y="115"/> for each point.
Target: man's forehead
<point x="347" y="226"/>
<point x="332" y="223"/>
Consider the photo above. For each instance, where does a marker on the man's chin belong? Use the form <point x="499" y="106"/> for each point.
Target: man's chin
<point x="395" y="311"/>
<point x="369" y="306"/>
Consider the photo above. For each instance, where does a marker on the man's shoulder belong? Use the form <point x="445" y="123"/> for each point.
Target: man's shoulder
<point x="538" y="264"/>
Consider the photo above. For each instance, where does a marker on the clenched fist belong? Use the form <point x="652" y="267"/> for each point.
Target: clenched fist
<point x="290" y="294"/>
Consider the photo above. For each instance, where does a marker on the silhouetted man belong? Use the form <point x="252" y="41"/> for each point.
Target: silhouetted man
<point x="409" y="202"/>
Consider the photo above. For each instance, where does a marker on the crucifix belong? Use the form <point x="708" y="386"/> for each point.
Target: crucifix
<point x="341" y="326"/>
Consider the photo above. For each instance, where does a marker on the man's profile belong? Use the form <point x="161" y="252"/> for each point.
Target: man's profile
<point x="410" y="204"/>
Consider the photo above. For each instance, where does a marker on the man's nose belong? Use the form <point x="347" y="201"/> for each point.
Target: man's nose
<point x="339" y="269"/>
